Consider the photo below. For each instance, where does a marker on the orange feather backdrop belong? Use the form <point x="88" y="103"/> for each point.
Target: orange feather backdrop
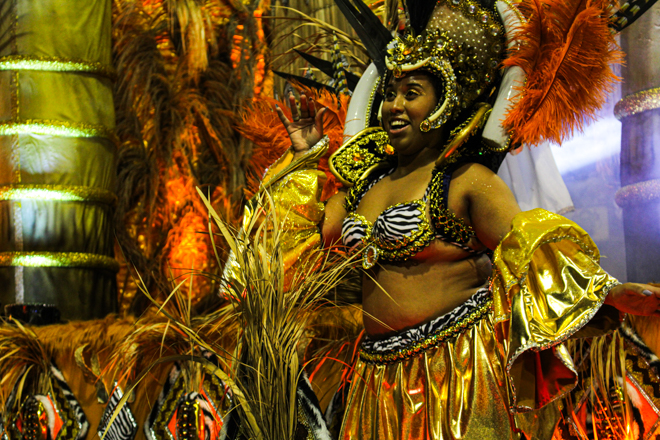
<point x="567" y="51"/>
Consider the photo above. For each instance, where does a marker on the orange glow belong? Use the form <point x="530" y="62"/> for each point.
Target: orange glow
<point x="189" y="249"/>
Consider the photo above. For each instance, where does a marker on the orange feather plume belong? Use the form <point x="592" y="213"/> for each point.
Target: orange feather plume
<point x="261" y="125"/>
<point x="567" y="50"/>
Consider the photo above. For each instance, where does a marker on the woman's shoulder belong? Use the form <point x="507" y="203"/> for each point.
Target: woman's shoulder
<point x="472" y="170"/>
<point x="476" y="180"/>
<point x="490" y="203"/>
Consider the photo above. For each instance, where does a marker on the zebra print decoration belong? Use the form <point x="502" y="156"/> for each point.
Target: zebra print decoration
<point x="76" y="427"/>
<point x="310" y="416"/>
<point x="628" y="12"/>
<point x="64" y="415"/>
<point x="123" y="427"/>
<point x="212" y="408"/>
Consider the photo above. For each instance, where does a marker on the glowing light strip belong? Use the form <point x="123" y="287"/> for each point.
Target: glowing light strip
<point x="56" y="193"/>
<point x="55" y="128"/>
<point x="58" y="259"/>
<point x="54" y="64"/>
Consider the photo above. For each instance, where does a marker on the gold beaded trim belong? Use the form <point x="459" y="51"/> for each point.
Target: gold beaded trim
<point x="431" y="341"/>
<point x="59" y="193"/>
<point x="639" y="102"/>
<point x="453" y="228"/>
<point x="465" y="74"/>
<point x="56" y="128"/>
<point x="399" y="250"/>
<point x="58" y="259"/>
<point x="409" y="245"/>
<point x="408" y="53"/>
<point x="360" y="155"/>
<point x="55" y="64"/>
<point x="444" y="221"/>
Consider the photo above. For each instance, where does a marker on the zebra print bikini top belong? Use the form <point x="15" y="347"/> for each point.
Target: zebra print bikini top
<point x="403" y="230"/>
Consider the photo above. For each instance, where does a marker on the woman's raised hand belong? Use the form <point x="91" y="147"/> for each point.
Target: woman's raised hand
<point x="635" y="299"/>
<point x="306" y="129"/>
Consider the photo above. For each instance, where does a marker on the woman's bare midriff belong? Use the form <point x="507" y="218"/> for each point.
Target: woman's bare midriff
<point x="397" y="297"/>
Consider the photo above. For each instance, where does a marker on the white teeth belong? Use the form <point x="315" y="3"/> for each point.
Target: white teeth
<point x="398" y="123"/>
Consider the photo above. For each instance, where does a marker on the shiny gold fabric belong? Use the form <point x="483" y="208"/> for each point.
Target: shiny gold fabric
<point x="455" y="390"/>
<point x="295" y="187"/>
<point x="547" y="285"/>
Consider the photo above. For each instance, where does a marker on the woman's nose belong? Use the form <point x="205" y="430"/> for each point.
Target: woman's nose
<point x="397" y="104"/>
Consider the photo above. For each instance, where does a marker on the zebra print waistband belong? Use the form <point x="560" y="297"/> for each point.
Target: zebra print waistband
<point x="412" y="341"/>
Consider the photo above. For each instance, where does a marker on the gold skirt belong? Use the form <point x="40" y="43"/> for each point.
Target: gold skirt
<point x="442" y="380"/>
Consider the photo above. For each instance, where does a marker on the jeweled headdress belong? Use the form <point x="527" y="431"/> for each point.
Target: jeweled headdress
<point x="514" y="72"/>
<point x="462" y="43"/>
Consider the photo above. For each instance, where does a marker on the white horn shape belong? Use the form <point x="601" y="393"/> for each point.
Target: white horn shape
<point x="357" y="116"/>
<point x="514" y="78"/>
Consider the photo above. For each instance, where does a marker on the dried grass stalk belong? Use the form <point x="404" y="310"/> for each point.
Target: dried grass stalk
<point x="273" y="320"/>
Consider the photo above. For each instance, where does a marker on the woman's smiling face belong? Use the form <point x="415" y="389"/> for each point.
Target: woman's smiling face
<point x="408" y="101"/>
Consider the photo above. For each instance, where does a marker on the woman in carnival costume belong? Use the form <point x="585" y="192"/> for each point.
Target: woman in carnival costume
<point x="468" y="302"/>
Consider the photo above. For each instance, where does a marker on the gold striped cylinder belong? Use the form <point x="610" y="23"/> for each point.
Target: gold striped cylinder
<point x="57" y="156"/>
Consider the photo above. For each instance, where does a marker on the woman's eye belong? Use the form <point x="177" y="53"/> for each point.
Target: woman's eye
<point x="389" y="95"/>
<point x="411" y="94"/>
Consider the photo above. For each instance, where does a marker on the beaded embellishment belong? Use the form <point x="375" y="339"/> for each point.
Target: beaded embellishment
<point x="463" y="44"/>
<point x="363" y="153"/>
<point x="410" y="342"/>
<point x="443" y="222"/>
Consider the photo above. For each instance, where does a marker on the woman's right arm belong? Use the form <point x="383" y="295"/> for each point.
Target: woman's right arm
<point x="333" y="219"/>
<point x="294" y="185"/>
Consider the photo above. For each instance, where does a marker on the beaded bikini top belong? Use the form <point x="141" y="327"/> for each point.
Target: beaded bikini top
<point x="403" y="230"/>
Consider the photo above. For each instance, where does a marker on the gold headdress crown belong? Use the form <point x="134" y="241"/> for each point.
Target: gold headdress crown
<point x="463" y="44"/>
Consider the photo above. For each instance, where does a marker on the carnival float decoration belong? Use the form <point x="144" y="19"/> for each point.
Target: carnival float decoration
<point x="131" y="134"/>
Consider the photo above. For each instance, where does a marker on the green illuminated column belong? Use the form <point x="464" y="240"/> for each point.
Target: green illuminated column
<point x="57" y="156"/>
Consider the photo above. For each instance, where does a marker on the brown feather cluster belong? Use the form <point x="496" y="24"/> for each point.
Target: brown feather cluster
<point x="175" y="98"/>
<point x="22" y="355"/>
<point x="567" y="51"/>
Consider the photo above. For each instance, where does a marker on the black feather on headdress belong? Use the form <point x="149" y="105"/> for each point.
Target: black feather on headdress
<point x="371" y="31"/>
<point x="419" y="12"/>
<point x="327" y="68"/>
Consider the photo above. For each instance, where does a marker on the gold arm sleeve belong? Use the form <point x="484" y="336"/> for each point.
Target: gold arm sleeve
<point x="547" y="286"/>
<point x="295" y="187"/>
